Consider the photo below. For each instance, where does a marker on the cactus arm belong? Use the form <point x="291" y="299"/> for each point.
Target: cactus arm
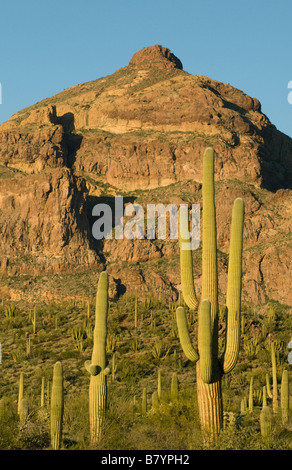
<point x="205" y="341"/>
<point x="233" y="297"/>
<point x="186" y="261"/>
<point x="106" y="371"/>
<point x="184" y="336"/>
<point x="92" y="368"/>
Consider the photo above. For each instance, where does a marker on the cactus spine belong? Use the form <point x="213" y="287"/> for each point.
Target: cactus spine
<point x="209" y="368"/>
<point x="57" y="406"/>
<point x="97" y="367"/>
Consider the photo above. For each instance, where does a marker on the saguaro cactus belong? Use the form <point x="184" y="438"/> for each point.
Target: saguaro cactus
<point x="274" y="392"/>
<point x="144" y="401"/>
<point x="23" y="410"/>
<point x="209" y="367"/>
<point x="285" y="397"/>
<point x="43" y="392"/>
<point x="174" y="387"/>
<point x="20" y="392"/>
<point x="250" y="397"/>
<point x="57" y="406"/>
<point x="97" y="367"/>
<point x="266" y="423"/>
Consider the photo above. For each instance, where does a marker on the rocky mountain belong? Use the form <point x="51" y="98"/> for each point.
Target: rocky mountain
<point x="141" y="133"/>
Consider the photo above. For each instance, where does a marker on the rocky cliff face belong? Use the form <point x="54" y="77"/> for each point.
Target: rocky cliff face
<point x="141" y="132"/>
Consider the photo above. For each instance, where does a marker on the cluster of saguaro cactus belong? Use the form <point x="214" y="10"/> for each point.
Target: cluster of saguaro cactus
<point x="97" y="367"/>
<point x="210" y="367"/>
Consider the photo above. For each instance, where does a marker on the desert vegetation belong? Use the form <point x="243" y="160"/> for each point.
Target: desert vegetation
<point x="100" y="373"/>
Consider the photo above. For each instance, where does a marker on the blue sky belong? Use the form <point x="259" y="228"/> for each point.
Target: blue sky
<point x="47" y="46"/>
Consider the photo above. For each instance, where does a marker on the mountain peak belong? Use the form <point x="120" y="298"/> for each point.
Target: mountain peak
<point x="158" y="56"/>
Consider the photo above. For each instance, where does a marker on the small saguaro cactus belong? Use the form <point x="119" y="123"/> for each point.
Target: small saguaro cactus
<point x="144" y="401"/>
<point x="266" y="423"/>
<point x="20" y="391"/>
<point x="97" y="367"/>
<point x="114" y="366"/>
<point x="34" y="321"/>
<point x="250" y="397"/>
<point x="159" y="384"/>
<point x="210" y="368"/>
<point x="155" y="400"/>
<point x="57" y="406"/>
<point x="43" y="392"/>
<point x="174" y="387"/>
<point x="285" y="397"/>
<point x="243" y="406"/>
<point x="23" y="410"/>
<point x="136" y="312"/>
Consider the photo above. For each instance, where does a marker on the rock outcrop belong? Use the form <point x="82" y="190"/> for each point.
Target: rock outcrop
<point x="141" y="132"/>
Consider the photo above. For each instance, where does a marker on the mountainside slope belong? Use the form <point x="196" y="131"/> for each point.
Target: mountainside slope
<point x="141" y="132"/>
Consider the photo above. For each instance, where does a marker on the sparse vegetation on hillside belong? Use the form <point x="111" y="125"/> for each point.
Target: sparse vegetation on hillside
<point x="139" y="354"/>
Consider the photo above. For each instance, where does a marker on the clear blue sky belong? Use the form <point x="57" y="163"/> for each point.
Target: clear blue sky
<point x="47" y="46"/>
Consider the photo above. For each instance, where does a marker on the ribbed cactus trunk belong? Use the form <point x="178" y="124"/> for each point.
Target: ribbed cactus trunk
<point x="57" y="406"/>
<point x="209" y="368"/>
<point x="97" y="366"/>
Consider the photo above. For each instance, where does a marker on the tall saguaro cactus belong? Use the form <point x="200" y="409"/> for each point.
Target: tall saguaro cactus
<point x="97" y="366"/>
<point x="57" y="406"/>
<point x="210" y="368"/>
